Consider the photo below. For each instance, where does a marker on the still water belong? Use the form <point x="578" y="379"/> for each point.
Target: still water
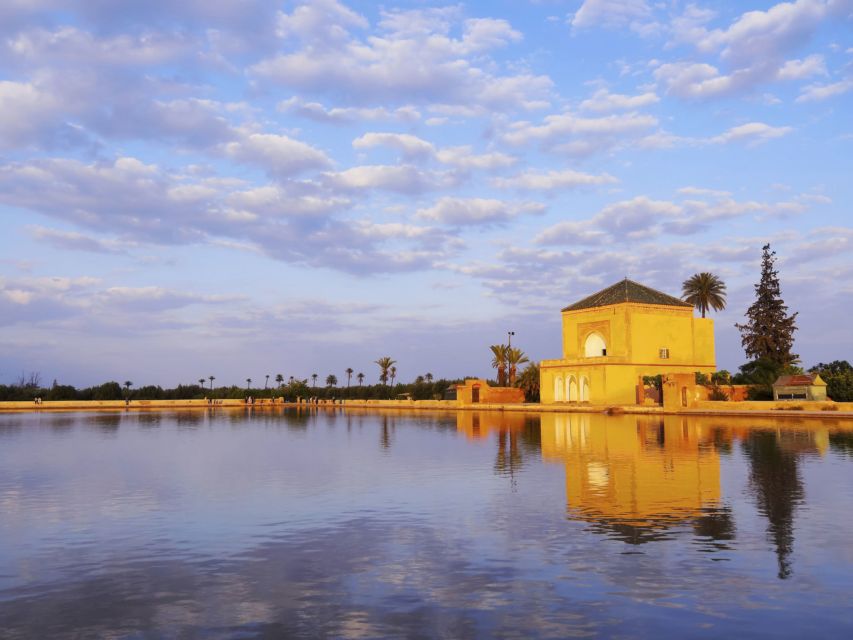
<point x="353" y="524"/>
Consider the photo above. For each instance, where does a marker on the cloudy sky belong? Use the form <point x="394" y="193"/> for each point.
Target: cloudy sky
<point x="247" y="187"/>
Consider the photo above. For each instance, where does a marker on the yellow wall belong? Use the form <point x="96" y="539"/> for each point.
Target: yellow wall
<point x="634" y="334"/>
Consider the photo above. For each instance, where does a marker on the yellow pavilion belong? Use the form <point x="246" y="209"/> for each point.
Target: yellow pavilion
<point x="613" y="338"/>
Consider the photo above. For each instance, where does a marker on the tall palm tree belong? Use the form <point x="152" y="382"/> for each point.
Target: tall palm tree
<point x="201" y="382"/>
<point x="331" y="380"/>
<point x="127" y="385"/>
<point x="385" y="363"/>
<point x="393" y="372"/>
<point x="266" y="384"/>
<point x="248" y="383"/>
<point x="211" y="378"/>
<point x="314" y="377"/>
<point x="514" y="357"/>
<point x="499" y="362"/>
<point x="291" y="379"/>
<point x="349" y="373"/>
<point x="360" y="377"/>
<point x="704" y="291"/>
<point x="279" y="379"/>
<point x="428" y="377"/>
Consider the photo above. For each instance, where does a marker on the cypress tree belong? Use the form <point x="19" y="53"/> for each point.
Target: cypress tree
<point x="769" y="331"/>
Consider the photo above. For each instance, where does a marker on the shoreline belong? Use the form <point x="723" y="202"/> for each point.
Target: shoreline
<point x="843" y="411"/>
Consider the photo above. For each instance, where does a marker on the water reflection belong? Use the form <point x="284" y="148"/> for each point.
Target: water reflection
<point x="329" y="523"/>
<point x="636" y="477"/>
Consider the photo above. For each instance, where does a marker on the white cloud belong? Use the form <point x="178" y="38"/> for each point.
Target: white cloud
<point x="752" y="133"/>
<point x="476" y="211"/>
<point x="611" y="13"/>
<point x="280" y="155"/>
<point x="818" y="92"/>
<point x="398" y="178"/>
<point x="411" y="59"/>
<point x="465" y="158"/>
<point x="603" y="100"/>
<point x="552" y="180"/>
<point x="410" y="146"/>
<point x="341" y="115"/>
<point x="813" y="65"/>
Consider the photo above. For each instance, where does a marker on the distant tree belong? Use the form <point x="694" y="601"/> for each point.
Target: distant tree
<point x="514" y="357"/>
<point x="212" y="378"/>
<point x="201" y="382"/>
<point x="838" y="376"/>
<point x="385" y="363"/>
<point x="314" y="377"/>
<point x="267" y="382"/>
<point x="499" y="351"/>
<point x="127" y="385"/>
<point x="291" y="379"/>
<point x="704" y="291"/>
<point x="331" y="380"/>
<point x="419" y="380"/>
<point x="428" y="377"/>
<point x="360" y="377"/>
<point x="279" y="380"/>
<point x="107" y="391"/>
<point x="528" y="381"/>
<point x="248" y="383"/>
<point x="393" y="373"/>
<point x="349" y="373"/>
<point x="769" y="330"/>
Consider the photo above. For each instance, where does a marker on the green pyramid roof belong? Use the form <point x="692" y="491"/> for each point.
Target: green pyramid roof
<point x="627" y="291"/>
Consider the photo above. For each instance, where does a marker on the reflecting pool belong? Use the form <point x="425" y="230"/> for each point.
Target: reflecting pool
<point x="352" y="524"/>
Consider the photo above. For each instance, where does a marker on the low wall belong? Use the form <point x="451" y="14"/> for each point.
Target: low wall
<point x="780" y="406"/>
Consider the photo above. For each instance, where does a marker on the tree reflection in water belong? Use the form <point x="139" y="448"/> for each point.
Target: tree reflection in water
<point x="778" y="488"/>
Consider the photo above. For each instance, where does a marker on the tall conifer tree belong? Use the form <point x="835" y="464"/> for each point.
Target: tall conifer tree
<point x="769" y="331"/>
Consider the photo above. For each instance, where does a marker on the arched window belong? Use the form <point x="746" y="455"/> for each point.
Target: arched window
<point x="573" y="390"/>
<point x="594" y="347"/>
<point x="558" y="389"/>
<point x="584" y="389"/>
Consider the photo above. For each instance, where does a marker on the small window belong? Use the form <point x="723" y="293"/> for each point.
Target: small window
<point x="664" y="354"/>
<point x="604" y="352"/>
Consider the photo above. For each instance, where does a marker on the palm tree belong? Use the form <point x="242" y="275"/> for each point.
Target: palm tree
<point x="360" y="377"/>
<point x="704" y="291"/>
<point x="279" y="379"/>
<point x="314" y="377"/>
<point x="428" y="377"/>
<point x="528" y="381"/>
<point x="514" y="357"/>
<point x="201" y="382"/>
<point x="331" y="380"/>
<point x="127" y="385"/>
<point x="211" y="378"/>
<point x="291" y="379"/>
<point x="266" y="384"/>
<point x="393" y="372"/>
<point x="248" y="383"/>
<point x="385" y="363"/>
<point x="499" y="362"/>
<point x="349" y="373"/>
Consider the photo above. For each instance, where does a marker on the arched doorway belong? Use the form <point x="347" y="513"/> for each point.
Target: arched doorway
<point x="475" y="394"/>
<point x="573" y="389"/>
<point x="558" y="389"/>
<point x="584" y="388"/>
<point x="594" y="346"/>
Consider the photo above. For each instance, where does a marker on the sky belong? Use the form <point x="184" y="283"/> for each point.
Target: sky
<point x="238" y="188"/>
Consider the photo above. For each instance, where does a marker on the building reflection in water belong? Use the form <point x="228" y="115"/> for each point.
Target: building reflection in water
<point x="636" y="477"/>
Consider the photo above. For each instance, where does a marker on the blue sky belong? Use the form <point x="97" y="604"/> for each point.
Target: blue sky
<point x="236" y="188"/>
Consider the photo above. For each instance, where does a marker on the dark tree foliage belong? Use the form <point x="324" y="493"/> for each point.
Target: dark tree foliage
<point x="769" y="331"/>
<point x="838" y="376"/>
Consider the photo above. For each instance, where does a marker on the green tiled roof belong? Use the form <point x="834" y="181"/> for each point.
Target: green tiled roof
<point x="627" y="291"/>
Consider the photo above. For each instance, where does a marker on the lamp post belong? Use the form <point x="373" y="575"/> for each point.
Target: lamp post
<point x="509" y="335"/>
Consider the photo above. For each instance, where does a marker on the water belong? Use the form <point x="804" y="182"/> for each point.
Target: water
<point x="368" y="525"/>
